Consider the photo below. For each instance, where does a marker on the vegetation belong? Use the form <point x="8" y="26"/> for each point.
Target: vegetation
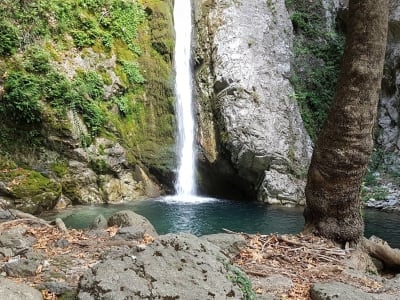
<point x="75" y="70"/>
<point x="38" y="36"/>
<point x="243" y="281"/>
<point x="25" y="183"/>
<point x="317" y="55"/>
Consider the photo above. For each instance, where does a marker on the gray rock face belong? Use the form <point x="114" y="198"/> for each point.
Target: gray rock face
<point x="388" y="114"/>
<point x="174" y="267"/>
<point x="341" y="291"/>
<point x="138" y="223"/>
<point x="246" y="114"/>
<point x="388" y="110"/>
<point x="16" y="291"/>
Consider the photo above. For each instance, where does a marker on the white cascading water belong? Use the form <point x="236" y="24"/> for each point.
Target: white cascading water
<point x="185" y="184"/>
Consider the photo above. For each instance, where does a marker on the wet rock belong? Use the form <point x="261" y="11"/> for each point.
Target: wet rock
<point x="230" y="244"/>
<point x="99" y="223"/>
<point x="17" y="291"/>
<point x="127" y="218"/>
<point x="174" y="266"/>
<point x="21" y="268"/>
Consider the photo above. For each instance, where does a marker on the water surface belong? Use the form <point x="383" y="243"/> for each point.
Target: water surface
<point x="213" y="216"/>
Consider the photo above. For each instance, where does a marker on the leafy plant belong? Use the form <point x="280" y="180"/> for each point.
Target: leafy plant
<point x="123" y="105"/>
<point x="243" y="281"/>
<point x="37" y="60"/>
<point x="131" y="69"/>
<point x="21" y="98"/>
<point x="316" y="63"/>
<point x="92" y="84"/>
<point x="9" y="38"/>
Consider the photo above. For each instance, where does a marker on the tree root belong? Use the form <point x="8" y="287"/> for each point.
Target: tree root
<point x="380" y="250"/>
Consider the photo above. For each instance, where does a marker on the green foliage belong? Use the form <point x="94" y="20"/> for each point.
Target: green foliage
<point x="21" y="99"/>
<point x="131" y="69"/>
<point x="38" y="35"/>
<point x="316" y="63"/>
<point x="243" y="281"/>
<point x="58" y="91"/>
<point x="100" y="166"/>
<point x="9" y="38"/>
<point x="91" y="84"/>
<point x="36" y="60"/>
<point x="123" y="105"/>
<point x="374" y="192"/>
<point x="93" y="115"/>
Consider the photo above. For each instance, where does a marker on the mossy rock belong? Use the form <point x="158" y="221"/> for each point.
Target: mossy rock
<point x="32" y="191"/>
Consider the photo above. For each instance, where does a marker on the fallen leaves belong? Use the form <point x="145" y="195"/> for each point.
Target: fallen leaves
<point x="303" y="259"/>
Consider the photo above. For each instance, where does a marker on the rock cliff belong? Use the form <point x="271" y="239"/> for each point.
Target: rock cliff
<point x="250" y="129"/>
<point x="388" y="113"/>
<point x="88" y="102"/>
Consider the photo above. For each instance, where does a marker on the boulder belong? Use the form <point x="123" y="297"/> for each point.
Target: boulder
<point x="15" y="241"/>
<point x="175" y="266"/>
<point x="230" y="244"/>
<point x="127" y="218"/>
<point x="21" y="268"/>
<point x="17" y="291"/>
<point x="99" y="223"/>
<point x="341" y="291"/>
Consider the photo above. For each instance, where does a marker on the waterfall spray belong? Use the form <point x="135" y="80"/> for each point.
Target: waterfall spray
<point x="185" y="184"/>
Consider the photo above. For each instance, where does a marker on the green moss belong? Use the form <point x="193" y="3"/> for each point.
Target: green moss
<point x="29" y="184"/>
<point x="100" y="166"/>
<point x="60" y="168"/>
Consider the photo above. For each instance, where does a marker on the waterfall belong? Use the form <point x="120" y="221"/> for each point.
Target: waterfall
<point x="184" y="184"/>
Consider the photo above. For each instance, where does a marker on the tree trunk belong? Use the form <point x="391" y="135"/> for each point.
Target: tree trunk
<point x="345" y="143"/>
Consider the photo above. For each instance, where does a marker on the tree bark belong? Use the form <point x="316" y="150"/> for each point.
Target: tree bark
<point x="343" y="148"/>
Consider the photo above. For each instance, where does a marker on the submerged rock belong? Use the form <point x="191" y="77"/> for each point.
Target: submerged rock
<point x="250" y="129"/>
<point x="176" y="266"/>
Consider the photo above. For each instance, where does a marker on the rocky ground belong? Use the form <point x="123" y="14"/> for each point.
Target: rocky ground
<point x="124" y="258"/>
<point x="384" y="195"/>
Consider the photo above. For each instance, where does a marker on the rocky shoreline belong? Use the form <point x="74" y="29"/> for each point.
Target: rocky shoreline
<point x="124" y="258"/>
<point x="383" y="195"/>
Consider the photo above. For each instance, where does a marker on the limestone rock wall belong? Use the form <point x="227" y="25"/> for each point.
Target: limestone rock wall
<point x="388" y="113"/>
<point x="250" y="128"/>
<point x="388" y="123"/>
